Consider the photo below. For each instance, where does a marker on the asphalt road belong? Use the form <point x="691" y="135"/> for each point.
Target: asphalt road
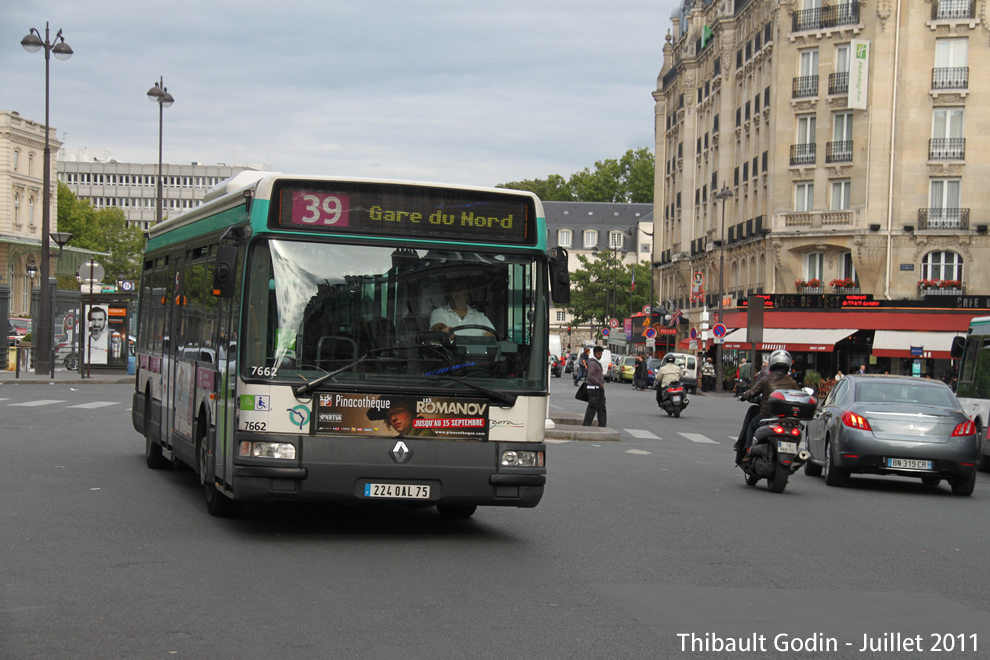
<point x="637" y="546"/>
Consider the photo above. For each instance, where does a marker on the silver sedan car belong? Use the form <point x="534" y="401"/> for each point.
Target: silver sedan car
<point x="910" y="427"/>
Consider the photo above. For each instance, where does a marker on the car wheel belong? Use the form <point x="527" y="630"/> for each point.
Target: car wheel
<point x="833" y="475"/>
<point x="931" y="480"/>
<point x="964" y="486"/>
<point x="812" y="469"/>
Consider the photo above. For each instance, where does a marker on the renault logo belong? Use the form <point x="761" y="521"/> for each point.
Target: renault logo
<point x="400" y="452"/>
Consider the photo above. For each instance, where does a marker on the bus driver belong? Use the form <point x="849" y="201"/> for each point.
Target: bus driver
<point x="458" y="313"/>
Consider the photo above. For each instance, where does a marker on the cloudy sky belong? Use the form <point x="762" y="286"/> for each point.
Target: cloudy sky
<point x="462" y="91"/>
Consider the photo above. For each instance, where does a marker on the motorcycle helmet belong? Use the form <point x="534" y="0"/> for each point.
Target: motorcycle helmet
<point x="780" y="360"/>
<point x="669" y="359"/>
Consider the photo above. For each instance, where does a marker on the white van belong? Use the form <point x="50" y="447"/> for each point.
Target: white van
<point x="689" y="363"/>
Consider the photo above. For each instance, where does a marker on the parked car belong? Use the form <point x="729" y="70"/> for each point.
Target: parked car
<point x="17" y="329"/>
<point x="610" y="366"/>
<point x="627" y="368"/>
<point x="651" y="370"/>
<point x="556" y="366"/>
<point x="897" y="425"/>
<point x="571" y="360"/>
<point x="689" y="364"/>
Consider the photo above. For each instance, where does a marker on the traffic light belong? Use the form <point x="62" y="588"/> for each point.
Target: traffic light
<point x="568" y="331"/>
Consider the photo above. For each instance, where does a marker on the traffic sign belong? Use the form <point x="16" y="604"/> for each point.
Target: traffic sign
<point x="127" y="285"/>
<point x="91" y="272"/>
<point x="647" y="309"/>
<point x="613" y="323"/>
<point x="718" y="330"/>
<point x="694" y="333"/>
<point x="69" y="321"/>
<point x="604" y="332"/>
<point x="651" y="333"/>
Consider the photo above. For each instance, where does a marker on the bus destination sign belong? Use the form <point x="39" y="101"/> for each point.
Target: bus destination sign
<point x="407" y="211"/>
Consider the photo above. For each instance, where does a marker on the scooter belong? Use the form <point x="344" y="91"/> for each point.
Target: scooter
<point x="774" y="455"/>
<point x="673" y="399"/>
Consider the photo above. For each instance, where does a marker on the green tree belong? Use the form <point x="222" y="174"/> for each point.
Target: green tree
<point x="604" y="284"/>
<point x="552" y="189"/>
<point x="629" y="179"/>
<point x="103" y="230"/>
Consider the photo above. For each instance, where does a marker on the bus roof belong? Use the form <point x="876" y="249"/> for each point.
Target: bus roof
<point x="258" y="185"/>
<point x="982" y="323"/>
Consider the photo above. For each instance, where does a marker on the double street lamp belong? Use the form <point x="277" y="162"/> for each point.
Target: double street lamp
<point x="724" y="195"/>
<point x="42" y="336"/>
<point x="159" y="94"/>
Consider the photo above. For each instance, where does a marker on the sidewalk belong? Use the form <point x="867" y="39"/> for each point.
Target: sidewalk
<point x="66" y="377"/>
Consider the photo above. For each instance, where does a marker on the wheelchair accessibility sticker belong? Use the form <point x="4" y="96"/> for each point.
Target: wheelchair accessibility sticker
<point x="256" y="402"/>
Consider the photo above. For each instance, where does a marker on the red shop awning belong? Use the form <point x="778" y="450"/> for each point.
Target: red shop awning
<point x="899" y="343"/>
<point x="795" y="340"/>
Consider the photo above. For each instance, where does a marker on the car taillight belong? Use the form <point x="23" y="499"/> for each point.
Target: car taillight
<point x="854" y="421"/>
<point x="966" y="428"/>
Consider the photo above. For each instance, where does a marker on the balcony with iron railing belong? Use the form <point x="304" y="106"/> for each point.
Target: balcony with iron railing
<point x="838" y="83"/>
<point x="820" y="18"/>
<point x="943" y="218"/>
<point x="803" y="154"/>
<point x="956" y="77"/>
<point x="953" y="9"/>
<point x="804" y="86"/>
<point x="947" y="149"/>
<point x="839" y="152"/>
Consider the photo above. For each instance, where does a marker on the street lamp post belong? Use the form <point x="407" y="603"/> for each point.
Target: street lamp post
<point x="725" y="195"/>
<point x="42" y="335"/>
<point x="159" y="94"/>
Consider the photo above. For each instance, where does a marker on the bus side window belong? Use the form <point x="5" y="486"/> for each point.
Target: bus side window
<point x="980" y="387"/>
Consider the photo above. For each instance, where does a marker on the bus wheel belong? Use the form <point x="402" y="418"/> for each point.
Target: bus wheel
<point x="152" y="451"/>
<point x="456" y="511"/>
<point x="217" y="503"/>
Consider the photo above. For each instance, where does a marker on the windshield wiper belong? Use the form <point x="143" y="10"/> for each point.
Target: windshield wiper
<point x="494" y="395"/>
<point x="303" y="390"/>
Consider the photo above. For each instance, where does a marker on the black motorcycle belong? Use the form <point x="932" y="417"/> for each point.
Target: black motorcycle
<point x="673" y="398"/>
<point x="775" y="453"/>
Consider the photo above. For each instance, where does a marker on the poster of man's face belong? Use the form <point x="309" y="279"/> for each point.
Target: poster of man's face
<point x="97" y="336"/>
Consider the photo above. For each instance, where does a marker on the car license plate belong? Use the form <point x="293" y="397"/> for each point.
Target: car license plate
<point x="398" y="491"/>
<point x="787" y="447"/>
<point x="909" y="464"/>
<point x="675" y="399"/>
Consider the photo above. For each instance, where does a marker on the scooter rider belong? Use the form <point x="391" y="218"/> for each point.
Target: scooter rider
<point x="668" y="373"/>
<point x="777" y="379"/>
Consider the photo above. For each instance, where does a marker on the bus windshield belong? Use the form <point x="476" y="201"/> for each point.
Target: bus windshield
<point x="393" y="316"/>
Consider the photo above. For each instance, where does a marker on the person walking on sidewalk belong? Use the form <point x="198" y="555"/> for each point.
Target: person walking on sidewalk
<point x="596" y="391"/>
<point x="582" y="366"/>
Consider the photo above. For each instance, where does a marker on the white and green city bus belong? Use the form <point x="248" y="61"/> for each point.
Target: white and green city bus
<point x="973" y="380"/>
<point x="286" y="352"/>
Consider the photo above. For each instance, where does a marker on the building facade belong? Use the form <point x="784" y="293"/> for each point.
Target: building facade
<point x="22" y="157"/>
<point x="587" y="228"/>
<point x="132" y="187"/>
<point x="824" y="149"/>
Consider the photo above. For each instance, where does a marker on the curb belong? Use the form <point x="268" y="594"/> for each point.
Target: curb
<point x="570" y="428"/>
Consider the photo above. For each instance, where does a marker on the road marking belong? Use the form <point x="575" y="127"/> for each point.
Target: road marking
<point x="638" y="452"/>
<point x="697" y="437"/>
<point x="39" y="402"/>
<point x="95" y="404"/>
<point x="642" y="434"/>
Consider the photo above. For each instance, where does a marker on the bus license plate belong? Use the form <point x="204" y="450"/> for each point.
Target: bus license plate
<point x="787" y="447"/>
<point x="909" y="464"/>
<point x="398" y="491"/>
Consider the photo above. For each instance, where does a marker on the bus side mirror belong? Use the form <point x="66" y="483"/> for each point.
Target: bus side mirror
<point x="560" y="277"/>
<point x="223" y="272"/>
<point x="958" y="347"/>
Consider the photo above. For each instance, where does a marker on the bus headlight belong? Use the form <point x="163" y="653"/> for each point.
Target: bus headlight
<point x="284" y="450"/>
<point x="513" y="458"/>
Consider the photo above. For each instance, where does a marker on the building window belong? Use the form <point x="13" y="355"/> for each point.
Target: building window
<point x="561" y="316"/>
<point x="847" y="270"/>
<point x="31" y="210"/>
<point x="615" y="239"/>
<point x="17" y="208"/>
<point x="804" y="196"/>
<point x="942" y="265"/>
<point x="840" y="195"/>
<point x="814" y="266"/>
<point x="590" y="238"/>
<point x="564" y="237"/>
<point x="17" y="157"/>
<point x="945" y="194"/>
